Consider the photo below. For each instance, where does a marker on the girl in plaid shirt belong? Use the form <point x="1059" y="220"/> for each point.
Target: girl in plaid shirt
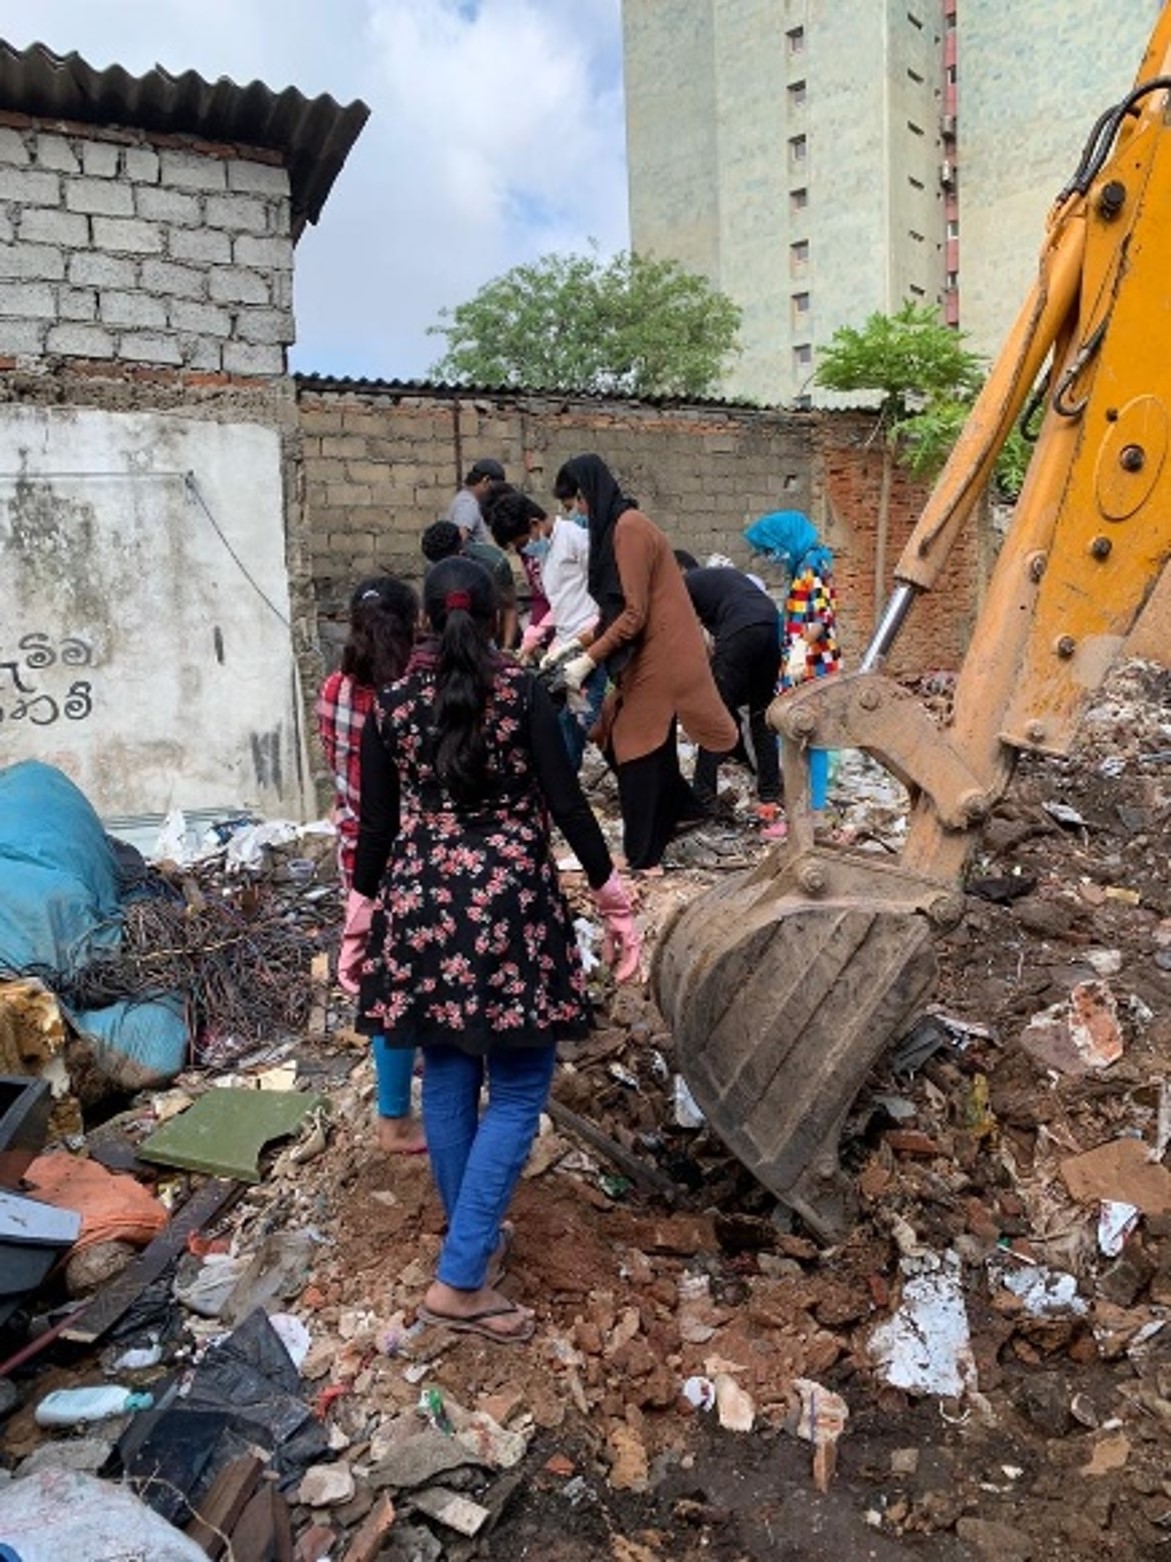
<point x="383" y="615"/>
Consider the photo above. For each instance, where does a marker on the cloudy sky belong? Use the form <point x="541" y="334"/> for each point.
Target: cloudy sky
<point x="496" y="135"/>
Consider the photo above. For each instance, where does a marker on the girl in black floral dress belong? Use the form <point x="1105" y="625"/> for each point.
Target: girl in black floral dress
<point x="472" y="953"/>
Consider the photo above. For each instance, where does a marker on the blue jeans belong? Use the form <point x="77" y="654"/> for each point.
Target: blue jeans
<point x="576" y="726"/>
<point x="393" y="1067"/>
<point x="476" y="1160"/>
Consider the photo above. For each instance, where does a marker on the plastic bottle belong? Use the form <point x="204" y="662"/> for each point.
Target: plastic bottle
<point x="75" y="1406"/>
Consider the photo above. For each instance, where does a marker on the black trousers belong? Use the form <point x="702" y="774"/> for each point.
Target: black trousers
<point x="745" y="668"/>
<point x="655" y="800"/>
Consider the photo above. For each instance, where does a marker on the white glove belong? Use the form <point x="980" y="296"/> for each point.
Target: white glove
<point x="578" y="670"/>
<point x="797" y="661"/>
<point x="559" y="651"/>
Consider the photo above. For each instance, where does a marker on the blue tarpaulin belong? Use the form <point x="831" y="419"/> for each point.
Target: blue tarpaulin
<point x="60" y="907"/>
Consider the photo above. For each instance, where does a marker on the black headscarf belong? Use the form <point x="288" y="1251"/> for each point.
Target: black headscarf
<point x="606" y="502"/>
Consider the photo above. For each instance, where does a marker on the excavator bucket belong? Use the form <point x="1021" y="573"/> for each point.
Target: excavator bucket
<point x="781" y="988"/>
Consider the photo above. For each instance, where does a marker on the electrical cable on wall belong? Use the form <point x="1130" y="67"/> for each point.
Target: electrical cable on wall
<point x="191" y="484"/>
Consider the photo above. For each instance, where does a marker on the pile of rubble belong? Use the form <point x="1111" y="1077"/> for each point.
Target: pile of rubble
<point x="707" y="1380"/>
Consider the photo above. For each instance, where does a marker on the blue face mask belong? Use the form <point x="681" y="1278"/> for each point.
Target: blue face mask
<point x="536" y="549"/>
<point x="579" y="519"/>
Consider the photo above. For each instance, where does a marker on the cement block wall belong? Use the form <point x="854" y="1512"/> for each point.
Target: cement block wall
<point x="382" y="462"/>
<point x="120" y="247"/>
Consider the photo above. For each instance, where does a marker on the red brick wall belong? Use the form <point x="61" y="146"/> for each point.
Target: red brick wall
<point x="847" y="490"/>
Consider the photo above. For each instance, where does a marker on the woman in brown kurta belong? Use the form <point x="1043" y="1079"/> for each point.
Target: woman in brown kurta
<point x="650" y="639"/>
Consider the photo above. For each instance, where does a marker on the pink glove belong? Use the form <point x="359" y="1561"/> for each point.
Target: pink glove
<point x="355" y="935"/>
<point x="533" y="638"/>
<point x="621" y="946"/>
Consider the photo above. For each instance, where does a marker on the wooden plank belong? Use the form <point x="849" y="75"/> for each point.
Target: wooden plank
<point x="264" y="1532"/>
<point x="224" y="1502"/>
<point x="117" y="1298"/>
<point x="318" y="1011"/>
<point x="649" y="1178"/>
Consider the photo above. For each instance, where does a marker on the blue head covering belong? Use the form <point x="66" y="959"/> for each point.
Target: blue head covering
<point x="789" y="538"/>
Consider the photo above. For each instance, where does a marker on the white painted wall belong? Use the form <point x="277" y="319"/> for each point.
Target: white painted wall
<point x="137" y="650"/>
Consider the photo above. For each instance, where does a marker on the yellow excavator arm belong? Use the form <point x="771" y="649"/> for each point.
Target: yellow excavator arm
<point x="784" y="985"/>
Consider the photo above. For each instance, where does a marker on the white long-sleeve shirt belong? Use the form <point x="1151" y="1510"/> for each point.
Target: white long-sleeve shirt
<point x="564" y="574"/>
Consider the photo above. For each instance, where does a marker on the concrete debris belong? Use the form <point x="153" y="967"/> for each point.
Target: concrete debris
<point x="453" y="1510"/>
<point x="822" y="1420"/>
<point x="736" y="1411"/>
<point x="629" y="1459"/>
<point x="1079" y="1034"/>
<point x="326" y="1485"/>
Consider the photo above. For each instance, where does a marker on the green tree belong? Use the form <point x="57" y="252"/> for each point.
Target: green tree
<point x="920" y="368"/>
<point x="911" y="358"/>
<point x="631" y="326"/>
<point x="925" y="441"/>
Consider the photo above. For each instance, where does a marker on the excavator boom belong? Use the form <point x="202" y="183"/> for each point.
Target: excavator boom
<point x="784" y="985"/>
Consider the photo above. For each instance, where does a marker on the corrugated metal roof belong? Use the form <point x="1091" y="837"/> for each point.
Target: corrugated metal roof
<point x="313" y="134"/>
<point x="376" y="387"/>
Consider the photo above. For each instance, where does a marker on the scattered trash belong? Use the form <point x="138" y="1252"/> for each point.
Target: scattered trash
<point x="431" y="1406"/>
<point x="926" y="1346"/>
<point x="1116" y="1221"/>
<point x="1044" y="1293"/>
<point x="76" y="1406"/>
<point x="588" y="936"/>
<point x="1064" y="815"/>
<point x="688" y="1113"/>
<point x="137" y="1359"/>
<point x="700" y="1392"/>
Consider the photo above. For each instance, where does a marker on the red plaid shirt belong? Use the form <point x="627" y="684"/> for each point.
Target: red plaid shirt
<point x="342" y="708"/>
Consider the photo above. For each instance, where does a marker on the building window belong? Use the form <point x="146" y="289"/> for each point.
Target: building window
<point x="799" y="308"/>
<point x="953" y="279"/>
<point x="798" y="149"/>
<point x="916" y="130"/>
<point x="795" y="39"/>
<point x="953" y="228"/>
<point x="797" y="95"/>
<point x="802" y="359"/>
<point x="798" y="200"/>
<point x="798" y="258"/>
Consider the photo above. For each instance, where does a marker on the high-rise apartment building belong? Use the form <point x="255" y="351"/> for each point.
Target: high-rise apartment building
<point x="1032" y="81"/>
<point x="822" y="159"/>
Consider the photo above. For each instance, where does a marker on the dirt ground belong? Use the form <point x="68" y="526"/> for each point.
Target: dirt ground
<point x="635" y="1296"/>
<point x="1057" y="1445"/>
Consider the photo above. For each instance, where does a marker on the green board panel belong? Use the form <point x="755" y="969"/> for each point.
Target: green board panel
<point x="224" y="1132"/>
